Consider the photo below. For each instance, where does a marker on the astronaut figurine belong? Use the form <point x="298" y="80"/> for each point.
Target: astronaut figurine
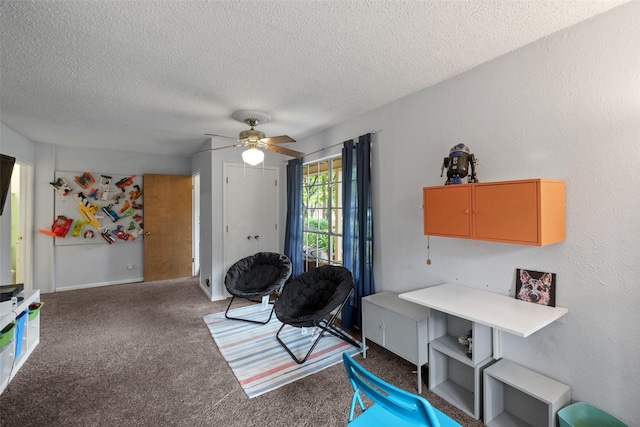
<point x="458" y="164"/>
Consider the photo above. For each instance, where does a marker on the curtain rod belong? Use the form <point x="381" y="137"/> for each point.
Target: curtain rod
<point x="333" y="146"/>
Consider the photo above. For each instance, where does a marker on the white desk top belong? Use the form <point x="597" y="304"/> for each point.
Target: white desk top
<point x="488" y="308"/>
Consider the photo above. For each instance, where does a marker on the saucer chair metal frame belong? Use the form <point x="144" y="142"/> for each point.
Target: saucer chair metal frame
<point x="257" y="276"/>
<point x="338" y="276"/>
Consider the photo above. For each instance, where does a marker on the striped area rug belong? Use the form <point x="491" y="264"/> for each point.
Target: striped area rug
<point x="259" y="361"/>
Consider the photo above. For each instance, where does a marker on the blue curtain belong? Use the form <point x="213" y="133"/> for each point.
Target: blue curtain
<point x="357" y="225"/>
<point x="293" y="231"/>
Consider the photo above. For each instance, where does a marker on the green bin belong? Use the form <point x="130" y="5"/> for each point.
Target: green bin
<point x="7" y="334"/>
<point x="581" y="414"/>
<point x="34" y="310"/>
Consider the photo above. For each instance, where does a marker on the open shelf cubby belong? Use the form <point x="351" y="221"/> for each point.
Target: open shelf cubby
<point x="519" y="397"/>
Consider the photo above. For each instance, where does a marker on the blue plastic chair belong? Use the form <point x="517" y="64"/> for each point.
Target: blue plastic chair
<point x="391" y="406"/>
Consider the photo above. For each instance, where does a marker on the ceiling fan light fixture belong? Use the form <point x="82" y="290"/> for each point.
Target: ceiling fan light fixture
<point x="253" y="156"/>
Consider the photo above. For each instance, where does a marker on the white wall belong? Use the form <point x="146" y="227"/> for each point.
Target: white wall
<point x="566" y="107"/>
<point x="68" y="267"/>
<point x="212" y="235"/>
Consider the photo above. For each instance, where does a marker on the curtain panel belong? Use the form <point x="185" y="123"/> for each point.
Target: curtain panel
<point x="357" y="225"/>
<point x="293" y="230"/>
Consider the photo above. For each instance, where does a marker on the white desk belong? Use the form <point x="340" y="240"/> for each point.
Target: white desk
<point x="453" y="374"/>
<point x="487" y="308"/>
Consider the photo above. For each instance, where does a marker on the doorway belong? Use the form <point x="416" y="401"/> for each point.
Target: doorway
<point x="167" y="227"/>
<point x="195" y="209"/>
<point x="21" y="225"/>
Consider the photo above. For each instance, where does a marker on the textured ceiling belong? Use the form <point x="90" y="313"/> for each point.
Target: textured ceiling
<point x="154" y="76"/>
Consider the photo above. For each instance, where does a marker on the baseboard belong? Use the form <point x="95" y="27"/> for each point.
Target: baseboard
<point x="212" y="298"/>
<point x="96" y="285"/>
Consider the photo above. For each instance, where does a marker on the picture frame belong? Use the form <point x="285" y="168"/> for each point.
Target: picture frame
<point x="536" y="287"/>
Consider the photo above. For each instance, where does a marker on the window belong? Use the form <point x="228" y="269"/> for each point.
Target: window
<point x="322" y="213"/>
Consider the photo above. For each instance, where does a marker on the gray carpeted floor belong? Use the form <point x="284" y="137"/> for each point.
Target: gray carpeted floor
<point x="140" y="355"/>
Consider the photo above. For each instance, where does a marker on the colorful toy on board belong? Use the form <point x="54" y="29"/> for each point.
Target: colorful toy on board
<point x="61" y="186"/>
<point x="125" y="182"/>
<point x="85" y="180"/>
<point x="116" y="197"/>
<point x="77" y="227"/>
<point x="459" y="164"/>
<point x="120" y="233"/>
<point x="110" y="212"/>
<point x="106" y="235"/>
<point x="87" y="209"/>
<point x="60" y="227"/>
<point x="105" y="182"/>
<point x="93" y="193"/>
<point x="126" y="206"/>
<point x="136" y="193"/>
<point x="137" y="232"/>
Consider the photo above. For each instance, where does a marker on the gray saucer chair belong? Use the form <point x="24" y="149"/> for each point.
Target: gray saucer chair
<point x="255" y="277"/>
<point x="310" y="298"/>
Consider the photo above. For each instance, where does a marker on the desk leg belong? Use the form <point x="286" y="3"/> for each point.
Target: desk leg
<point x="364" y="347"/>
<point x="497" y="343"/>
<point x="419" y="379"/>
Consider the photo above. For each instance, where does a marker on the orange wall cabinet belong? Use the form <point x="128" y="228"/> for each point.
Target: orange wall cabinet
<point x="528" y="212"/>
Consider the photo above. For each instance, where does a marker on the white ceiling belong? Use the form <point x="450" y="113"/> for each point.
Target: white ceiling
<point x="155" y="76"/>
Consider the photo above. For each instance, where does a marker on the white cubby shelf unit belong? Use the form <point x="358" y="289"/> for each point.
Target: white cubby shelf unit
<point x="456" y="309"/>
<point x="517" y="396"/>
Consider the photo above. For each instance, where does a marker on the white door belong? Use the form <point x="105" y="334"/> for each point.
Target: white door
<point x="250" y="211"/>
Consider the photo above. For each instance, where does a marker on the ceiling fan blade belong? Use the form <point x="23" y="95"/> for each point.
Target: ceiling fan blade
<point x="221" y="136"/>
<point x="284" y="151"/>
<point x="277" y="139"/>
<point x="219" y="148"/>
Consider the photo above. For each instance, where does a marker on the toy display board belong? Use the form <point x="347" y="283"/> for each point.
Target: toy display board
<point x="96" y="208"/>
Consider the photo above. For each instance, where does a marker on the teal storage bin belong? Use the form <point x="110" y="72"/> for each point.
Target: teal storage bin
<point x="581" y="414"/>
<point x="21" y="321"/>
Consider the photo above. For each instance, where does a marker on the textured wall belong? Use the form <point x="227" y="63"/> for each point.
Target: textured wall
<point x="566" y="107"/>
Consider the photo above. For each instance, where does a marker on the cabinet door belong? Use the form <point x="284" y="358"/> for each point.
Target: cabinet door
<point x="401" y="335"/>
<point x="506" y="211"/>
<point x="447" y="210"/>
<point x="373" y="322"/>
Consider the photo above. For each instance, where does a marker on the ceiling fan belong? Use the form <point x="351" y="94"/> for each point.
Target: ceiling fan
<point x="254" y="140"/>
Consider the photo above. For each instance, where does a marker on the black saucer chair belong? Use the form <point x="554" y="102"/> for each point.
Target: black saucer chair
<point x="309" y="298"/>
<point x="255" y="277"/>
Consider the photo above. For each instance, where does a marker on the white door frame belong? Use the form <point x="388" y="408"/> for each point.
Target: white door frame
<point x="24" y="256"/>
<point x="195" y="209"/>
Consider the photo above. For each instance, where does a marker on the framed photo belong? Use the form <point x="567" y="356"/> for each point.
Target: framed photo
<point x="536" y="287"/>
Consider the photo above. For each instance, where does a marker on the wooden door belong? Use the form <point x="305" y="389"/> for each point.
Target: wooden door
<point x="251" y="201"/>
<point x="167" y="227"/>
<point x="447" y="210"/>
